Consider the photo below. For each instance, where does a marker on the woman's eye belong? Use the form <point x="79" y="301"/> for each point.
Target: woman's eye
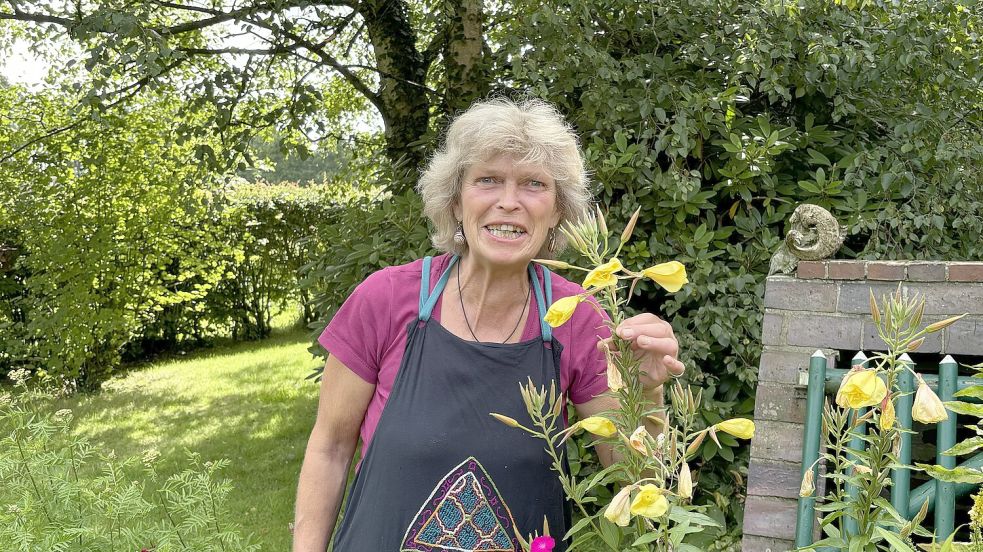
<point x="486" y="180"/>
<point x="536" y="184"/>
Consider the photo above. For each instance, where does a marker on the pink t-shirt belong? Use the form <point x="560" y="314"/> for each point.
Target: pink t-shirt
<point x="368" y="334"/>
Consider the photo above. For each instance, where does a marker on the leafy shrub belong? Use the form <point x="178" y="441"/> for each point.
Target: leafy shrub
<point x="367" y="234"/>
<point x="718" y="118"/>
<point x="59" y="493"/>
<point x="101" y="212"/>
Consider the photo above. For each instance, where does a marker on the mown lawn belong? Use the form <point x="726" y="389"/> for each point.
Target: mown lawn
<point x="246" y="402"/>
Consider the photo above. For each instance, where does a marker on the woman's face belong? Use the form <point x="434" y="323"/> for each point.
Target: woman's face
<point x="506" y="209"/>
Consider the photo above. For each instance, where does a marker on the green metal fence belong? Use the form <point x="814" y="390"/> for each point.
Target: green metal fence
<point x="822" y="381"/>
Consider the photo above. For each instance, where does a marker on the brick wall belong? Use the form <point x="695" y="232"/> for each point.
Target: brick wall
<point x="826" y="306"/>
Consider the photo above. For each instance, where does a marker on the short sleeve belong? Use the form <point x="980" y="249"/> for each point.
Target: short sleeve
<point x="360" y="331"/>
<point x="588" y="367"/>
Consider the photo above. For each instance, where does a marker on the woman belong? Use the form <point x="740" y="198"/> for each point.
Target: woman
<point x="461" y="332"/>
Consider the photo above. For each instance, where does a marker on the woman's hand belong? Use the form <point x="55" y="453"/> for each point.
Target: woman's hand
<point x="652" y="339"/>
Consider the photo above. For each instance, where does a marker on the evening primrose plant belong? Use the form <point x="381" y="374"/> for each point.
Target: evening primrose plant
<point x="652" y="508"/>
<point x="855" y="515"/>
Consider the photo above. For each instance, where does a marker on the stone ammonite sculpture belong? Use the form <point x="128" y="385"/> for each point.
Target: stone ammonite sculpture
<point x="815" y="235"/>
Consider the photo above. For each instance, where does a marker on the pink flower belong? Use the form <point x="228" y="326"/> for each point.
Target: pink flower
<point x="542" y="544"/>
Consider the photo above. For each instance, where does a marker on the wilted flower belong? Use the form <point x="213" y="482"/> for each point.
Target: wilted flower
<point x="808" y="485"/>
<point x="861" y="388"/>
<point x="685" y="484"/>
<point x="637" y="440"/>
<point x="862" y="469"/>
<point x="742" y="428"/>
<point x="671" y="275"/>
<point x="597" y="425"/>
<point x="927" y="409"/>
<point x="615" y="381"/>
<point x="618" y="511"/>
<point x="603" y="276"/>
<point x="561" y="310"/>
<point x="649" y="502"/>
<point x="886" y="421"/>
<point x="544" y="543"/>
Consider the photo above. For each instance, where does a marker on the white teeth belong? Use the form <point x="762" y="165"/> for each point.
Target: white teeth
<point x="505" y="227"/>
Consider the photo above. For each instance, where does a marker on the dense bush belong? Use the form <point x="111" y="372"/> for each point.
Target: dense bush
<point x="116" y="245"/>
<point x="718" y="118"/>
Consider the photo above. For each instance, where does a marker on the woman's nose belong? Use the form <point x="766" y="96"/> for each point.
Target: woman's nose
<point x="509" y="198"/>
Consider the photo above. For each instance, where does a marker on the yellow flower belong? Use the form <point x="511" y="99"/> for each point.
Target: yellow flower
<point x="599" y="426"/>
<point x="861" y="388"/>
<point x="617" y="512"/>
<point x="650" y="502"/>
<point x="685" y="484"/>
<point x="928" y="409"/>
<point x="603" y="276"/>
<point x="671" y="275"/>
<point x="886" y="421"/>
<point x="561" y="310"/>
<point x="742" y="428"/>
<point x="637" y="440"/>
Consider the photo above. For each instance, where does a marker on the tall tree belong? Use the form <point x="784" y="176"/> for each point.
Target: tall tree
<point x="265" y="63"/>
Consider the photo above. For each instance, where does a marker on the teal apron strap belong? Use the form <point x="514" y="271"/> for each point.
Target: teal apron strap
<point x="541" y="302"/>
<point x="427" y="299"/>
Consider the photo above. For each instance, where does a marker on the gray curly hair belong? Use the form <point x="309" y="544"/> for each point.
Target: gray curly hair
<point x="531" y="130"/>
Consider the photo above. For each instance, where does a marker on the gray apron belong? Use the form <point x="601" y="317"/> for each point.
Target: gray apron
<point x="441" y="474"/>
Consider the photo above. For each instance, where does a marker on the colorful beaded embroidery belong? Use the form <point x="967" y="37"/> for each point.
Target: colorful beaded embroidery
<point x="463" y="513"/>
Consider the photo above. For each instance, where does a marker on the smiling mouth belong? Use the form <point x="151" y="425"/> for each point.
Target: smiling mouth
<point x="505" y="231"/>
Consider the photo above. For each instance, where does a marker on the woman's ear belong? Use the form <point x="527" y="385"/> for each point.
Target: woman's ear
<point x="457" y="210"/>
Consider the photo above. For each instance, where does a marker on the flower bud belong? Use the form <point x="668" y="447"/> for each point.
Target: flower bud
<point x="695" y="445"/>
<point x="602" y="225"/>
<point x="874" y="311"/>
<point x="511" y="422"/>
<point x="685" y="484"/>
<point x="914" y="345"/>
<point x="808" y="485"/>
<point x="630" y="227"/>
<point x="927" y="409"/>
<point x="936" y="326"/>
<point x="559" y="265"/>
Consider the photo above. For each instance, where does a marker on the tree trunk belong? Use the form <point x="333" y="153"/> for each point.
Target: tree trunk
<point x="465" y="65"/>
<point x="402" y="96"/>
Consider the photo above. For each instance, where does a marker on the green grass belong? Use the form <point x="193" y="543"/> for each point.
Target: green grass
<point x="246" y="402"/>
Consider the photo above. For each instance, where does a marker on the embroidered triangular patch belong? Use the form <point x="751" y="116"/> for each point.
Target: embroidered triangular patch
<point x="464" y="513"/>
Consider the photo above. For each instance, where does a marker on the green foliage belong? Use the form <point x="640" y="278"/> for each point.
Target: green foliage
<point x="367" y="234"/>
<point x="718" y="118"/>
<point x="60" y="493"/>
<point x="116" y="244"/>
<point x="100" y="213"/>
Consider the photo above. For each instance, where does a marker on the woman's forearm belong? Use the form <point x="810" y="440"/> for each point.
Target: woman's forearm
<point x="320" y="493"/>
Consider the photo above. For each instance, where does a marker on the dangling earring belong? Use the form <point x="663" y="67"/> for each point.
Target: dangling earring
<point x="551" y="245"/>
<point x="459" y="238"/>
